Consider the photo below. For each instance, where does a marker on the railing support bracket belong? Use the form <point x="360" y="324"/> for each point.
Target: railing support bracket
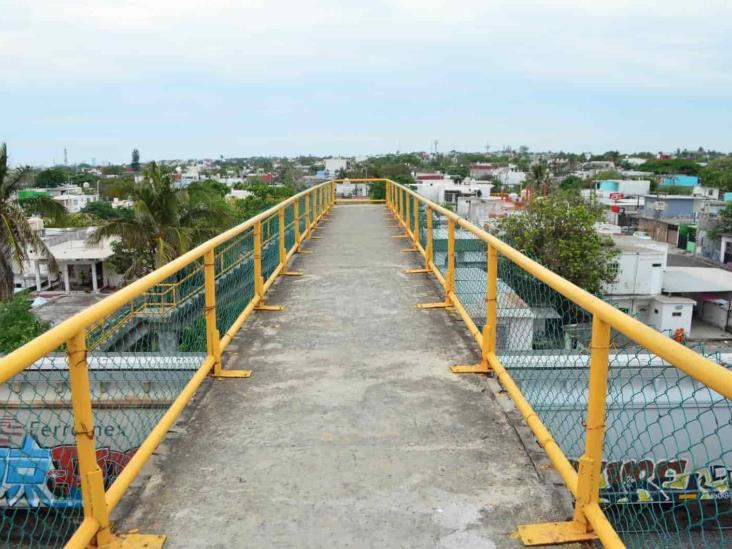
<point x="263" y="307"/>
<point x="291" y="273"/>
<point x="415" y="271"/>
<point x="440" y="305"/>
<point x="227" y="374"/>
<point x="480" y="368"/>
<point x="551" y="533"/>
<point x="136" y="541"/>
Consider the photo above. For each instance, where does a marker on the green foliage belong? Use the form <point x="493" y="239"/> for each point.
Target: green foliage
<point x="116" y="188"/>
<point x="377" y="191"/>
<point x="675" y="189"/>
<point x="571" y="183"/>
<point x="673" y="166"/>
<point x="112" y="170"/>
<point x="104" y="211"/>
<point x="558" y="231"/>
<point x="608" y="174"/>
<point x="19" y="324"/>
<point x="52" y="177"/>
<point x="718" y="174"/>
<point x="16" y="234"/>
<point x="262" y="198"/>
<point x="724" y="223"/>
<point x="135" y="164"/>
<point x="166" y="223"/>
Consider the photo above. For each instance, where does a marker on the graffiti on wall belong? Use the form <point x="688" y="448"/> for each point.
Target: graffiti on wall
<point x="662" y="481"/>
<point x="33" y="476"/>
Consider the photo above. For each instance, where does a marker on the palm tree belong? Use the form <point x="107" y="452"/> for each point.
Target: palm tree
<point x="538" y="176"/>
<point x="165" y="224"/>
<point x="17" y="237"/>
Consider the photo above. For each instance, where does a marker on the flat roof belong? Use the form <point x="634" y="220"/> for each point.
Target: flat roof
<point x="696" y="280"/>
<point x="628" y="243"/>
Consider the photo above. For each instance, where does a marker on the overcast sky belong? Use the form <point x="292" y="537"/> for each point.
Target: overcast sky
<point x="180" y="79"/>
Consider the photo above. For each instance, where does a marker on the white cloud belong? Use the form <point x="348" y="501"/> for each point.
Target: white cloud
<point x="611" y="42"/>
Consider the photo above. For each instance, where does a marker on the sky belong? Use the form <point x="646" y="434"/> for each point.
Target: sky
<point x="194" y="79"/>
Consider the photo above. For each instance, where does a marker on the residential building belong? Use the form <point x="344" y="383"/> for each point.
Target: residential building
<point x="481" y="170"/>
<point x="74" y="203"/>
<point x="679" y="181"/>
<point x="334" y="165"/>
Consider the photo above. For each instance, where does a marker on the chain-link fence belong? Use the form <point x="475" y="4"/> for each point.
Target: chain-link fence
<point x="666" y="472"/>
<point x="137" y="360"/>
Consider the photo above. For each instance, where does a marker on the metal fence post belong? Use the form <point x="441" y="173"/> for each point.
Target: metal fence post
<point x="491" y="301"/>
<point x="416" y="222"/>
<point x="450" y="278"/>
<point x="258" y="280"/>
<point x="92" y="479"/>
<point x="296" y="209"/>
<point x="212" y="333"/>
<point x="588" y="480"/>
<point x="429" y="259"/>
<point x="307" y="216"/>
<point x="283" y="249"/>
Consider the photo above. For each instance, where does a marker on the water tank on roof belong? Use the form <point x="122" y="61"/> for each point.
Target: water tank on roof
<point x="36" y="223"/>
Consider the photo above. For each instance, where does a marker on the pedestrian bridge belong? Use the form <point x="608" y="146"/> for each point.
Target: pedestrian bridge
<point x="361" y="373"/>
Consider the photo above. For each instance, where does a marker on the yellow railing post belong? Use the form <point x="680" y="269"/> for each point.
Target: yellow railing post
<point x="430" y="251"/>
<point x="491" y="301"/>
<point x="307" y="216"/>
<point x="281" y="227"/>
<point x="450" y="278"/>
<point x="258" y="280"/>
<point x="212" y="334"/>
<point x="588" y="480"/>
<point x="91" y="476"/>
<point x="407" y="206"/>
<point x="416" y="222"/>
<point x="590" y="464"/>
<point x="296" y="215"/>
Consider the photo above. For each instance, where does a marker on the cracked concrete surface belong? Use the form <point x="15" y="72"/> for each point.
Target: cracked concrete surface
<point x="352" y="432"/>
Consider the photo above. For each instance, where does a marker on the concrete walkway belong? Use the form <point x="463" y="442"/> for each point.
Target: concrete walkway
<point x="352" y="432"/>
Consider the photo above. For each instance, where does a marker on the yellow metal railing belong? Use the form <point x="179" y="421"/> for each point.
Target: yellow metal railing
<point x="589" y="520"/>
<point x="73" y="332"/>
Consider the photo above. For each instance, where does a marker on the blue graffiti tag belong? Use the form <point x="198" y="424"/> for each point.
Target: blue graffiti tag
<point x="23" y="472"/>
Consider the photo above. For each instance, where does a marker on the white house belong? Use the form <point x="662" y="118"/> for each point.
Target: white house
<point x="334" y="165"/>
<point x="74" y="203"/>
<point x="446" y="191"/>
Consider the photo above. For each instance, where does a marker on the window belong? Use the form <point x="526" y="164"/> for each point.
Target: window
<point x="657" y="265"/>
<point x="675" y="314"/>
<point x="655" y="311"/>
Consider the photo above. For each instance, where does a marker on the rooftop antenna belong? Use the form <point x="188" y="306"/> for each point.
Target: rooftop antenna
<point x="435" y="143"/>
<point x="66" y="157"/>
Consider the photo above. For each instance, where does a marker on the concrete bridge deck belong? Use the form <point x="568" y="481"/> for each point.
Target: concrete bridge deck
<point x="352" y="432"/>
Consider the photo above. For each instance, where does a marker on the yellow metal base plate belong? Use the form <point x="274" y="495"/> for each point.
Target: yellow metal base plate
<point x="441" y="305"/>
<point x="304" y="252"/>
<point x="291" y="273"/>
<point x="136" y="541"/>
<point x="551" y="533"/>
<point x="415" y="271"/>
<point x="406" y="251"/>
<point x="269" y="308"/>
<point x="471" y="369"/>
<point x="317" y="237"/>
<point x="223" y="374"/>
<point x="400" y="236"/>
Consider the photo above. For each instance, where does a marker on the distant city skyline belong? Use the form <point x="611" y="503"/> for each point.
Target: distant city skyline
<point x="182" y="80"/>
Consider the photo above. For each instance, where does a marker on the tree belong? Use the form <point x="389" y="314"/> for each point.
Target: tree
<point x="718" y="174"/>
<point x="135" y="164"/>
<point x="17" y="237"/>
<point x="538" y="176"/>
<point x="19" y="324"/>
<point x="571" y="183"/>
<point x="558" y="231"/>
<point x="165" y="224"/>
<point x="104" y="211"/>
<point x="724" y="223"/>
<point x="52" y="177"/>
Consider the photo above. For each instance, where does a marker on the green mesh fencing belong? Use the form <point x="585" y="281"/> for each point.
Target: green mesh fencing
<point x="667" y="459"/>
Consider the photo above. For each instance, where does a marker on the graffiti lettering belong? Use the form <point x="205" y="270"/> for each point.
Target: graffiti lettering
<point x="32" y="476"/>
<point x="668" y="480"/>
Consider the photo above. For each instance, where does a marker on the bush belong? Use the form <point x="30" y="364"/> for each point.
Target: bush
<point x="19" y="324"/>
